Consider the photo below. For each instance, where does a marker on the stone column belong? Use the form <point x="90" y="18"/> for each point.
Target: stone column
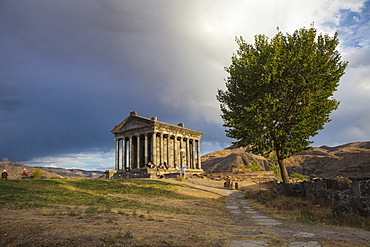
<point x="146" y="149"/>
<point x="198" y="155"/>
<point x="154" y="149"/>
<point x="190" y="155"/>
<point x="137" y="151"/>
<point x="175" y="152"/>
<point x="117" y="154"/>
<point x="168" y="149"/>
<point x="130" y="153"/>
<point x="193" y="155"/>
<point x="161" y="149"/>
<point x="123" y="154"/>
<point x="187" y="153"/>
<point x="181" y="159"/>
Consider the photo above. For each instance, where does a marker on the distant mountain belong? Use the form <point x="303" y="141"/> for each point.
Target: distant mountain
<point x="348" y="160"/>
<point x="72" y="173"/>
<point x="15" y="171"/>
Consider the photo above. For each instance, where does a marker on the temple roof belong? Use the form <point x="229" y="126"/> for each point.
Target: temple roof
<point x="137" y="124"/>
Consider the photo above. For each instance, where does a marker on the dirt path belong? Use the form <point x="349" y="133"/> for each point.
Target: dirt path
<point x="261" y="230"/>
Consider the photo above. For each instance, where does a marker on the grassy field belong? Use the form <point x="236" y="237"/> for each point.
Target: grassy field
<point x="143" y="212"/>
<point x="101" y="212"/>
<point x="108" y="194"/>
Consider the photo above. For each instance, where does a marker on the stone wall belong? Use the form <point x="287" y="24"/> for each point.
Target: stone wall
<point x="244" y="175"/>
<point x="351" y="195"/>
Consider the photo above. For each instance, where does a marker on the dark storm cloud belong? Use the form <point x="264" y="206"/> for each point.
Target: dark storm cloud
<point x="71" y="70"/>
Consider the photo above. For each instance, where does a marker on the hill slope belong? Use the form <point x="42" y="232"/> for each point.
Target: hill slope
<point x="230" y="158"/>
<point x="15" y="170"/>
<point x="348" y="160"/>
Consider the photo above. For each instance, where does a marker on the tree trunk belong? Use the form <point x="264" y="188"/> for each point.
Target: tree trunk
<point x="284" y="174"/>
<point x="283" y="171"/>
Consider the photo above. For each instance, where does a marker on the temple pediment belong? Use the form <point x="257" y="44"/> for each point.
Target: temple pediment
<point x="133" y="123"/>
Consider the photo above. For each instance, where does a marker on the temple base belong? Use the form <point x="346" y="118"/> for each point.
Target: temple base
<point x="152" y="173"/>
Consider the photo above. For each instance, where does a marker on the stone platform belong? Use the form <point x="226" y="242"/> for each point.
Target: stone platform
<point x="152" y="173"/>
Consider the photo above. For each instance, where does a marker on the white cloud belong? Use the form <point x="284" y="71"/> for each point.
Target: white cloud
<point x="85" y="160"/>
<point x="49" y="165"/>
<point x="209" y="147"/>
<point x="205" y="42"/>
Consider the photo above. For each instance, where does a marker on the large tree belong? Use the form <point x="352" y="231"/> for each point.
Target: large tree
<point x="280" y="91"/>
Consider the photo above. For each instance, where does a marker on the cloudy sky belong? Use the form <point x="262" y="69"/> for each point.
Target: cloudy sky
<point x="71" y="70"/>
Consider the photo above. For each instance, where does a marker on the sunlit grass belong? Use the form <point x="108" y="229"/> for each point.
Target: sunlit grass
<point x="58" y="193"/>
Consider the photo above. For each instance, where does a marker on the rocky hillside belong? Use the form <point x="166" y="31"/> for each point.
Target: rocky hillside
<point x="230" y="158"/>
<point x="73" y="173"/>
<point x="349" y="160"/>
<point x="15" y="171"/>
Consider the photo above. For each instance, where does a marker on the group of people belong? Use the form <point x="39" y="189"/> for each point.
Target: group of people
<point x="4" y="174"/>
<point x="160" y="166"/>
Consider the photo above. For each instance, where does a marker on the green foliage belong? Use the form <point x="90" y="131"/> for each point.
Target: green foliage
<point x="36" y="173"/>
<point x="280" y="91"/>
<point x="253" y="165"/>
<point x="298" y="176"/>
<point x="275" y="168"/>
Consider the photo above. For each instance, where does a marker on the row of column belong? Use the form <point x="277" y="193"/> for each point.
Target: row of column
<point x="158" y="148"/>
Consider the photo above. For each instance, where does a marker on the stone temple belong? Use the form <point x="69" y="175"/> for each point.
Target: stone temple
<point x="141" y="142"/>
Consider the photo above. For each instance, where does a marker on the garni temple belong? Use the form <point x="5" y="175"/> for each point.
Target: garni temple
<point x="148" y="146"/>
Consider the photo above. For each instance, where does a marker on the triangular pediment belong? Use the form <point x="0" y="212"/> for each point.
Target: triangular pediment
<point x="133" y="123"/>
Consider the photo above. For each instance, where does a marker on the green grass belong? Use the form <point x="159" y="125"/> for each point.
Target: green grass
<point x="97" y="195"/>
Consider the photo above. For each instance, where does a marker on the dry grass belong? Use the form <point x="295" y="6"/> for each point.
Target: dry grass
<point x="91" y="212"/>
<point x="311" y="211"/>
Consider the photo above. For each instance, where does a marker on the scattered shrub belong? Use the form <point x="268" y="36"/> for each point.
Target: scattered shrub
<point x="275" y="168"/>
<point x="253" y="165"/>
<point x="36" y="173"/>
<point x="298" y="176"/>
